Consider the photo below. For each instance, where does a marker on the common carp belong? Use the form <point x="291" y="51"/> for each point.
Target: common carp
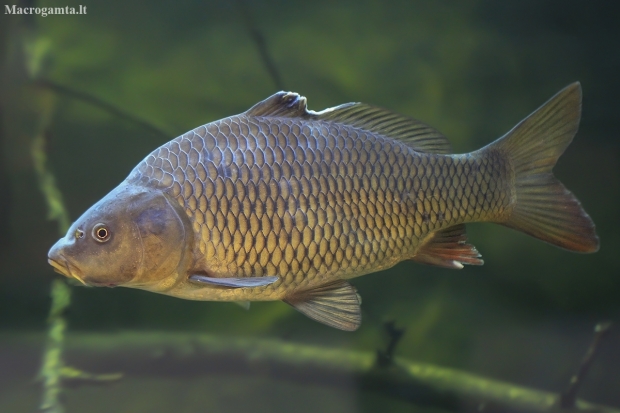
<point x="285" y="203"/>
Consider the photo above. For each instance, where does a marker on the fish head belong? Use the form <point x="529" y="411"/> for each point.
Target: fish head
<point x="134" y="237"/>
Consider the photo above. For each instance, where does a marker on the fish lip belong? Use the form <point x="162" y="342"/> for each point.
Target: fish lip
<point x="64" y="269"/>
<point x="59" y="268"/>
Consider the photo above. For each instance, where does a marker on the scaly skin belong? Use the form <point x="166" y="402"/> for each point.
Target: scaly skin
<point x="314" y="201"/>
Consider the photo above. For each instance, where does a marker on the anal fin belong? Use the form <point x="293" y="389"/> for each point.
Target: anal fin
<point x="448" y="248"/>
<point x="335" y="304"/>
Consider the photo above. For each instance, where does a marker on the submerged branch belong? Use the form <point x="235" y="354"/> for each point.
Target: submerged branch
<point x="568" y="398"/>
<point x="190" y="355"/>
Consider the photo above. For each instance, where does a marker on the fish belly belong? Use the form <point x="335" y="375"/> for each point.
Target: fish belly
<point x="313" y="201"/>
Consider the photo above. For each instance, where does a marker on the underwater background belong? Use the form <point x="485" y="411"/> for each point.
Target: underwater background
<point x="95" y="93"/>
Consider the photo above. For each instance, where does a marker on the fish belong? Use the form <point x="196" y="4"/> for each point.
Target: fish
<point x="285" y="203"/>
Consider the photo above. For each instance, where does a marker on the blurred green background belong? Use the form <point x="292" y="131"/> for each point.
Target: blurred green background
<point x="472" y="69"/>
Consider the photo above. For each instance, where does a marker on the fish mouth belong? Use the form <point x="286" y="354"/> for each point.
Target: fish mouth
<point x="64" y="269"/>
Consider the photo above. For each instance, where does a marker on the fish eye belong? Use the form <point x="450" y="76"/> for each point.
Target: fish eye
<point x="79" y="233"/>
<point x="101" y="233"/>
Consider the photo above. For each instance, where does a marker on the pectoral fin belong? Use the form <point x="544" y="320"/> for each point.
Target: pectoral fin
<point x="335" y="304"/>
<point x="449" y="249"/>
<point x="235" y="282"/>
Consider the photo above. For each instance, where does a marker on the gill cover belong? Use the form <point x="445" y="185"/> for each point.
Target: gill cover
<point x="165" y="236"/>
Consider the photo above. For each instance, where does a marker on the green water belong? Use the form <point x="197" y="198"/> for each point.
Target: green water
<point x="471" y="69"/>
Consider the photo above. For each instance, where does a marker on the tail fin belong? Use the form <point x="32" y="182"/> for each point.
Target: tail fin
<point x="544" y="208"/>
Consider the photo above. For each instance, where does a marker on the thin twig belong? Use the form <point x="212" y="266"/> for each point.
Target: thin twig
<point x="74" y="377"/>
<point x="385" y="358"/>
<point x="99" y="103"/>
<point x="261" y="45"/>
<point x="567" y="399"/>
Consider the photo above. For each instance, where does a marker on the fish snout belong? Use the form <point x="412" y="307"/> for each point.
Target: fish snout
<point x="56" y="251"/>
<point x="57" y="260"/>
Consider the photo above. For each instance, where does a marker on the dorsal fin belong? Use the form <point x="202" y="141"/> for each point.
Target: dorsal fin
<point x="413" y="133"/>
<point x="281" y="104"/>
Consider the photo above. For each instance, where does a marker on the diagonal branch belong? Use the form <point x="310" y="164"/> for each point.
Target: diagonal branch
<point x="98" y="103"/>
<point x="568" y="398"/>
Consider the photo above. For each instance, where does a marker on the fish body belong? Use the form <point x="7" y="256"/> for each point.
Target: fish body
<point x="284" y="203"/>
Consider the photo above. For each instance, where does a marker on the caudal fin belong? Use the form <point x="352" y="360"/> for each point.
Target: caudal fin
<point x="544" y="208"/>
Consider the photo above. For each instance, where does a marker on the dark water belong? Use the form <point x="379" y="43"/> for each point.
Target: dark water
<point x="472" y="69"/>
